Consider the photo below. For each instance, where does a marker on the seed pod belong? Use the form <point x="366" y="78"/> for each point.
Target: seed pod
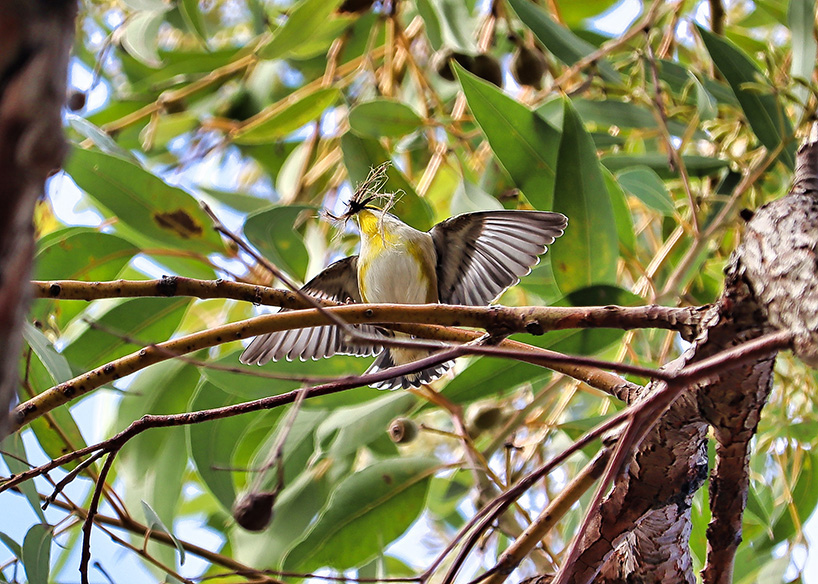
<point x="488" y="67"/>
<point x="402" y="430"/>
<point x="442" y="63"/>
<point x="528" y="66"/>
<point x="176" y="106"/>
<point x="239" y="106"/>
<point x="348" y="6"/>
<point x="484" y="417"/>
<point x="76" y="101"/>
<point x="254" y="511"/>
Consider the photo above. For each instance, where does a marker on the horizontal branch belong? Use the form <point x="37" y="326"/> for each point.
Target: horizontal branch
<point x="495" y="319"/>
<point x="83" y="384"/>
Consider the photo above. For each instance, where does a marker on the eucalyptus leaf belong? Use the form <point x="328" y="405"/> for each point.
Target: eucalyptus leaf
<point x="587" y="253"/>
<point x="767" y="117"/>
<point x="155" y="523"/>
<point x="147" y="208"/>
<point x="275" y="122"/>
<point x="523" y="142"/>
<point x="303" y="18"/>
<point x="383" y="118"/>
<point x="645" y="184"/>
<point x="36" y="553"/>
<point x="140" y="34"/>
<point x="365" y="512"/>
<point x="564" y="44"/>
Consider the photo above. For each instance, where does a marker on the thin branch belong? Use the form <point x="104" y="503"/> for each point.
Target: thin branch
<point x="371" y="314"/>
<point x="71" y="476"/>
<point x="651" y="16"/>
<point x="88" y="525"/>
<point x="172" y="420"/>
<point x="158" y="536"/>
<point x="675" y="155"/>
<point x="638" y="415"/>
<point x="645" y="414"/>
<point x="555" y="511"/>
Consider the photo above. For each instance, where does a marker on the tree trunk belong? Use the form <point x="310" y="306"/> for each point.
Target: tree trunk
<point x="35" y="40"/>
<point x="642" y="532"/>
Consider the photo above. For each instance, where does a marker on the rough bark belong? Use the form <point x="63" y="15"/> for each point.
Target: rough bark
<point x="35" y="40"/>
<point x="642" y="532"/>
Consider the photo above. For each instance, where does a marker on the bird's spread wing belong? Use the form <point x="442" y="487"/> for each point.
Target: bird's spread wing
<point x="339" y="282"/>
<point x="479" y="255"/>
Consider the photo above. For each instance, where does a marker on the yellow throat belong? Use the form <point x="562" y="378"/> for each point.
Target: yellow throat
<point x="396" y="263"/>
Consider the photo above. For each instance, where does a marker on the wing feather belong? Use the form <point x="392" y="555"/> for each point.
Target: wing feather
<point x="480" y="255"/>
<point x="338" y="282"/>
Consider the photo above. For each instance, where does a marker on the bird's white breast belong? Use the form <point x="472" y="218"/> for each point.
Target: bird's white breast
<point x="397" y="265"/>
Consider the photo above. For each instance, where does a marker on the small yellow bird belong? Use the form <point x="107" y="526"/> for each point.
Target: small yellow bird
<point x="469" y="259"/>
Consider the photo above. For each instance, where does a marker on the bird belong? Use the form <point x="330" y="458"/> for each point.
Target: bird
<point x="469" y="259"/>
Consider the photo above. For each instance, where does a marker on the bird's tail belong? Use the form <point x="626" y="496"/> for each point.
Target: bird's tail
<point x="387" y="360"/>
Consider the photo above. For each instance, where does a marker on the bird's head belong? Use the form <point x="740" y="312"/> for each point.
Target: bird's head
<point x="365" y="193"/>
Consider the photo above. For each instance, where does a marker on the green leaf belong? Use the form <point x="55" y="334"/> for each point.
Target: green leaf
<point x="37" y="553"/>
<point x="801" y="20"/>
<point x="486" y="377"/>
<point x="524" y="143"/>
<point x="152" y="466"/>
<point x="278" y="120"/>
<point x="575" y="13"/>
<point x="621" y="211"/>
<point x="448" y="24"/>
<point x="57" y="433"/>
<point x="767" y="118"/>
<point x="624" y="114"/>
<point x="367" y="511"/>
<point x="469" y="198"/>
<point x="193" y="18"/>
<point x="148" y="209"/>
<point x="13" y="546"/>
<point x="300" y="450"/>
<point x="698" y="166"/>
<point x="588" y="252"/>
<point x="155" y="524"/>
<point x="706" y="104"/>
<point x="273" y="232"/>
<point x="82" y="253"/>
<point x="383" y="118"/>
<point x="318" y="44"/>
<point x="342" y="433"/>
<point x="56" y="364"/>
<point x="361" y="155"/>
<point x="77" y="253"/>
<point x="564" y="44"/>
<point x="140" y="36"/>
<point x="101" y="139"/>
<point x="150" y="320"/>
<point x="14" y="454"/>
<point x="303" y="19"/>
<point x="211" y="444"/>
<point x="242" y="202"/>
<point x="678" y="77"/>
<point x="644" y="184"/>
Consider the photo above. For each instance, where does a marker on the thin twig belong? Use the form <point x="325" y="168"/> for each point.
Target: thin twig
<point x="88" y="525"/>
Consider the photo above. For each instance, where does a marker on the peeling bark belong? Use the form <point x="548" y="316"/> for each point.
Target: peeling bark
<point x="35" y="40"/>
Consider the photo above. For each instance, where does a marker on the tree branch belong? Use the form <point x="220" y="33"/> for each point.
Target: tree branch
<point x="491" y="318"/>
